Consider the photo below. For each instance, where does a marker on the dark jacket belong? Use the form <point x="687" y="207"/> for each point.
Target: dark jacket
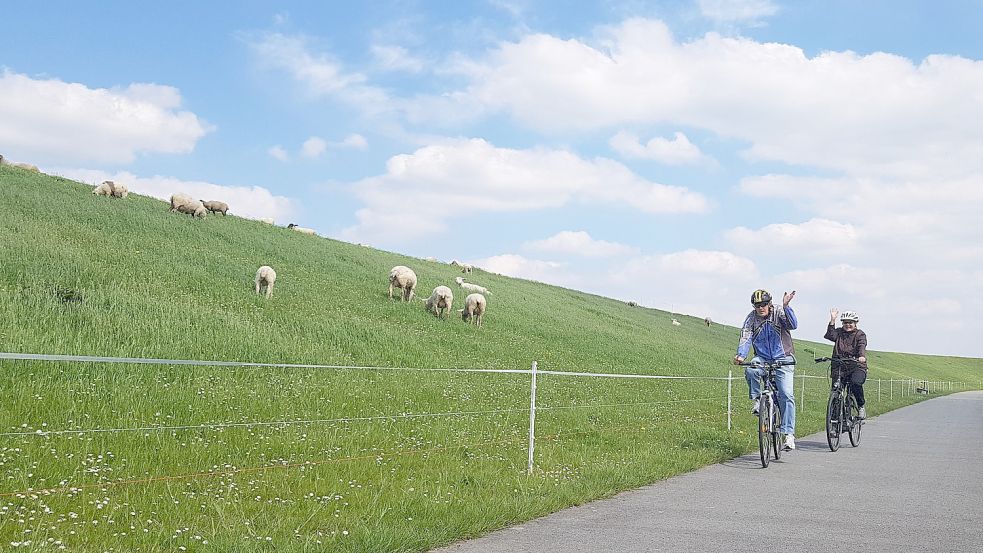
<point x="852" y="344"/>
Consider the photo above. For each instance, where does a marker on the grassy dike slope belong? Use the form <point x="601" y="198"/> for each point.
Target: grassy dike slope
<point x="419" y="459"/>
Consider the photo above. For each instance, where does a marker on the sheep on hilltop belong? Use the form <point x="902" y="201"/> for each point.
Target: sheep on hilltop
<point x="403" y="278"/>
<point x="440" y="301"/>
<point x="471" y="287"/>
<point x="474" y="308"/>
<point x="265" y="276"/>
<point x="183" y="203"/>
<point x="302" y="230"/>
<point x="216" y="206"/>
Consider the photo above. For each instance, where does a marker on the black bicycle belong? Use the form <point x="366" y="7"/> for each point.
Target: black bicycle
<point x="770" y="439"/>
<point x="842" y="411"/>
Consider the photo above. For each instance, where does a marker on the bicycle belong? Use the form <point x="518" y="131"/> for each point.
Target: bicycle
<point x="842" y="411"/>
<point x="770" y="439"/>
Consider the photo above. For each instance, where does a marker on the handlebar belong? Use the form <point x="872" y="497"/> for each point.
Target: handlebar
<point x="843" y="359"/>
<point x="768" y="364"/>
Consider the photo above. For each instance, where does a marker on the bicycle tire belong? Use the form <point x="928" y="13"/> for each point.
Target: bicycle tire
<point x="764" y="433"/>
<point x="777" y="438"/>
<point x="856" y="423"/>
<point x="833" y="421"/>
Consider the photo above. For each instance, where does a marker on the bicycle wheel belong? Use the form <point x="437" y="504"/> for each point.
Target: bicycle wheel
<point x="833" y="421"/>
<point x="777" y="438"/>
<point x="764" y="432"/>
<point x="856" y="423"/>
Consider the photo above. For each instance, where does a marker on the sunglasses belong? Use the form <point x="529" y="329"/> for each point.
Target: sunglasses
<point x="761" y="304"/>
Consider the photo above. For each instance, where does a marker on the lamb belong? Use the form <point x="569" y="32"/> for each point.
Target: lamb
<point x="708" y="321"/>
<point x="403" y="278"/>
<point x="440" y="301"/>
<point x="216" y="206"/>
<point x="675" y="322"/>
<point x="302" y="230"/>
<point x="186" y="204"/>
<point x="474" y="308"/>
<point x="471" y="287"/>
<point x="265" y="275"/>
<point x="119" y="190"/>
<point x="267" y="220"/>
<point x="465" y="268"/>
<point x="104" y="189"/>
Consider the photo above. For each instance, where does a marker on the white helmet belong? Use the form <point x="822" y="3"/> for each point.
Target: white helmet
<point x="850" y="316"/>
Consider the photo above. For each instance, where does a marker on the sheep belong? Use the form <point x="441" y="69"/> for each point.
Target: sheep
<point x="104" y="189"/>
<point x="474" y="308"/>
<point x="216" y="206"/>
<point x="471" y="287"/>
<point x="632" y="304"/>
<point x="403" y="278"/>
<point x="119" y="190"/>
<point x="430" y="258"/>
<point x="265" y="275"/>
<point x="194" y="208"/>
<point x="708" y="321"/>
<point x="179" y="199"/>
<point x="675" y="322"/>
<point x="26" y="166"/>
<point x="267" y="220"/>
<point x="302" y="230"/>
<point x="440" y="301"/>
<point x="465" y="268"/>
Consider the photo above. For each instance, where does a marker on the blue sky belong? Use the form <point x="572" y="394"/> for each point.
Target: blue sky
<point x="677" y="153"/>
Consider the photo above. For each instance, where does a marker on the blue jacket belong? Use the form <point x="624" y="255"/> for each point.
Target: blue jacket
<point x="770" y="335"/>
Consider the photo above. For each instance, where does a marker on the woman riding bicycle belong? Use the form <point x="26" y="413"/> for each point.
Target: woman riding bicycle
<point x="849" y="342"/>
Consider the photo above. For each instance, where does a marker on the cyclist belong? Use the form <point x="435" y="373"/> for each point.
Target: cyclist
<point x="768" y="329"/>
<point x="849" y="341"/>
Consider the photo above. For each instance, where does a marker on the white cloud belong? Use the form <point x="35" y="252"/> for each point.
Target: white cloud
<point x="530" y="269"/>
<point x="354" y="141"/>
<point x="253" y="202"/>
<point x="396" y="58"/>
<point x="48" y="121"/>
<point x="578" y="243"/>
<point x="677" y="151"/>
<point x="313" y="147"/>
<point x="279" y="153"/>
<point x="320" y="74"/>
<point x="730" y="11"/>
<point x="816" y="236"/>
<point x="459" y="178"/>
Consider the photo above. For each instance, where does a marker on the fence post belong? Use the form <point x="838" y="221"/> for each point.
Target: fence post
<point x="878" y="389"/>
<point x="532" y="417"/>
<point x="730" y="382"/>
<point x="892" y="388"/>
<point x="802" y="394"/>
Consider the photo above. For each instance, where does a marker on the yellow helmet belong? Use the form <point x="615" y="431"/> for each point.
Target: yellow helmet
<point x="760" y="296"/>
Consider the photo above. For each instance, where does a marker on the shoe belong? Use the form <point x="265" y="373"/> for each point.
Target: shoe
<point x="863" y="413"/>
<point x="789" y="442"/>
<point x="755" y="407"/>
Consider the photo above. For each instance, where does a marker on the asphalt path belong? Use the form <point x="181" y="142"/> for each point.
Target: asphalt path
<point x="914" y="484"/>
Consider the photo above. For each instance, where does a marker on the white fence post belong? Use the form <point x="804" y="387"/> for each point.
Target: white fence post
<point x="802" y="394"/>
<point x="532" y="417"/>
<point x="891" y="382"/>
<point x="878" y="389"/>
<point x="730" y="382"/>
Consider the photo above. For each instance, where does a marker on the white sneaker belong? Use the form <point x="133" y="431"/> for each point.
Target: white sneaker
<point x="755" y="407"/>
<point x="863" y="413"/>
<point x="789" y="442"/>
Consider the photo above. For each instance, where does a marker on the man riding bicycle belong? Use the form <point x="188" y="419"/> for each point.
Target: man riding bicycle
<point x="849" y="342"/>
<point x="768" y="330"/>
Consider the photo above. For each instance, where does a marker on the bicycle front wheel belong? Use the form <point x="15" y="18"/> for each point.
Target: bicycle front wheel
<point x="856" y="423"/>
<point x="764" y="430"/>
<point x="777" y="438"/>
<point x="833" y="421"/>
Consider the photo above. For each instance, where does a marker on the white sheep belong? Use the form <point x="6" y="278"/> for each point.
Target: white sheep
<point x="430" y="258"/>
<point x="215" y="206"/>
<point x="186" y="204"/>
<point x="104" y="189"/>
<point x="474" y="308"/>
<point x="27" y="166"/>
<point x="440" y="301"/>
<point x="471" y="287"/>
<point x="265" y="275"/>
<point x="119" y="190"/>
<point x="465" y="268"/>
<point x="403" y="278"/>
<point x="675" y="322"/>
<point x="302" y="230"/>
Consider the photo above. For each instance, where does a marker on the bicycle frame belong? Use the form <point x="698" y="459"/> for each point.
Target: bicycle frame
<point x="770" y="439"/>
<point x="839" y="416"/>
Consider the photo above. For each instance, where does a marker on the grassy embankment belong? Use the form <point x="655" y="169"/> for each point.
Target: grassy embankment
<point x="90" y="275"/>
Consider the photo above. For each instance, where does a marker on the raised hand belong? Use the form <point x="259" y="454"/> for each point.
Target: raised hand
<point x="788" y="298"/>
<point x="833" y="313"/>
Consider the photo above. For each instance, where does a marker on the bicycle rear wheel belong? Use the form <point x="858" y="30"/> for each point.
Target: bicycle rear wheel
<point x="833" y="421"/>
<point x="856" y="423"/>
<point x="777" y="438"/>
<point x="764" y="430"/>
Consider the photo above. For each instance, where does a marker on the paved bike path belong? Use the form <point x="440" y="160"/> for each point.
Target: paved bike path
<point x="914" y="484"/>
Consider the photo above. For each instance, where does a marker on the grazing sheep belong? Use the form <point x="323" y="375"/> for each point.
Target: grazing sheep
<point x="265" y="275"/>
<point x="708" y="321"/>
<point x="471" y="287"/>
<point x="403" y="278"/>
<point x="119" y="190"/>
<point x="27" y="166"/>
<point x="302" y="230"/>
<point x="632" y="304"/>
<point x="430" y="258"/>
<point x="267" y="220"/>
<point x="183" y="203"/>
<point x="675" y="322"/>
<point x="216" y="206"/>
<point x="104" y="189"/>
<point x="440" y="301"/>
<point x="474" y="308"/>
<point x="465" y="268"/>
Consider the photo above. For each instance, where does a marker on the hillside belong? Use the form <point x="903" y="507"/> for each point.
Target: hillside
<point x="88" y="275"/>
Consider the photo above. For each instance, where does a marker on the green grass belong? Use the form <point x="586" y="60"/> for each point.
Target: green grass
<point x="88" y="275"/>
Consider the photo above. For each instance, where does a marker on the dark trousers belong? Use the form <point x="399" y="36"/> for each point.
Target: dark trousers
<point x="855" y="379"/>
